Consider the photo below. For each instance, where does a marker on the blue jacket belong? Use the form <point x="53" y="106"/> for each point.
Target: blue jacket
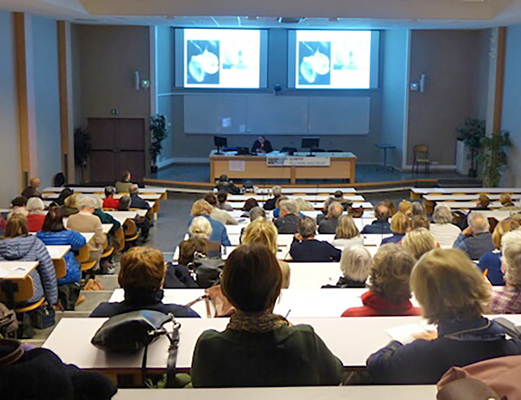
<point x="492" y="261"/>
<point x="377" y="227"/>
<point x="138" y="202"/>
<point x="475" y="246"/>
<point x="30" y="248"/>
<point x="396" y="238"/>
<point x="219" y="233"/>
<point x="459" y="343"/>
<point x="66" y="238"/>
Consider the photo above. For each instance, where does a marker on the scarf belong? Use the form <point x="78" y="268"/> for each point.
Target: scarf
<point x="265" y="322"/>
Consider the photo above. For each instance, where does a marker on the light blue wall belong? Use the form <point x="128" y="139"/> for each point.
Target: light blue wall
<point x="511" y="118"/>
<point x="165" y="76"/>
<point x="47" y="102"/>
<point x="10" y="167"/>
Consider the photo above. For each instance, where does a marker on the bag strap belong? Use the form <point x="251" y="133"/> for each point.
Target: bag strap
<point x="172" y="355"/>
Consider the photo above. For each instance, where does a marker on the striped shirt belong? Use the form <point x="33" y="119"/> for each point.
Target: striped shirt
<point x="507" y="300"/>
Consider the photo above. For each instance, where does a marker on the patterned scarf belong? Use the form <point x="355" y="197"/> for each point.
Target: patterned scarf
<point x="258" y="323"/>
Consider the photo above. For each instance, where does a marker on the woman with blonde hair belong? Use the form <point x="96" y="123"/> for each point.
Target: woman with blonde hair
<point x="491" y="260"/>
<point x="303" y="205"/>
<point x="264" y="232"/>
<point x="355" y="264"/>
<point x="418" y="242"/>
<point x="405" y="207"/>
<point x="453" y="296"/>
<point x="506" y="203"/>
<point x="399" y="226"/>
<point x="70" y="205"/>
<point x="347" y="234"/>
<point x="201" y="208"/>
<point x="200" y="228"/>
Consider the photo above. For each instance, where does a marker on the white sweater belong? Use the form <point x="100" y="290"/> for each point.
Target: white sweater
<point x="445" y="234"/>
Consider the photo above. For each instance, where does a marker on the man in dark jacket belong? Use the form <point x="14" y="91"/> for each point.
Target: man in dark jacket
<point x="305" y="248"/>
<point x="288" y="221"/>
<point x="32" y="189"/>
<point x="136" y="200"/>
<point x="270" y="204"/>
<point x="476" y="239"/>
<point x="381" y="225"/>
<point x="329" y="223"/>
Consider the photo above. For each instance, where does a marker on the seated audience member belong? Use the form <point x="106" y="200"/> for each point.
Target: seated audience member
<point x="257" y="212"/>
<point x="329" y="223"/>
<point x="390" y="205"/>
<point x="261" y="145"/>
<point x="248" y="205"/>
<point x="124" y="203"/>
<point x="109" y="201"/>
<point x="123" y="185"/>
<point x="288" y="220"/>
<point x="85" y="222"/>
<point x="475" y="240"/>
<point x="453" y="295"/>
<point x="303" y="205"/>
<point x="179" y="276"/>
<point x="418" y="208"/>
<point x="54" y="233"/>
<point x="262" y="231"/>
<point x="18" y="245"/>
<point x="141" y="277"/>
<point x="204" y="209"/>
<point x="381" y="225"/>
<point x="70" y="205"/>
<point x="419" y="221"/>
<point x="270" y="203"/>
<point x="36" y="215"/>
<point x="490" y="261"/>
<point x="419" y="241"/>
<point x="135" y="200"/>
<point x="32" y="189"/>
<point x="355" y="264"/>
<point x="389" y="292"/>
<point x="255" y="338"/>
<point x="483" y="203"/>
<point x="200" y="228"/>
<point x="218" y="214"/>
<point x="18" y="206"/>
<point x="338" y="196"/>
<point x="443" y="230"/>
<point x="276" y="210"/>
<point x="507" y="300"/>
<point x="66" y="192"/>
<point x="106" y="218"/>
<point x="399" y="225"/>
<point x="305" y="248"/>
<point x="346" y="233"/>
<point x="405" y="207"/>
<point x="325" y="209"/>
<point x="221" y="201"/>
<point x="506" y="203"/>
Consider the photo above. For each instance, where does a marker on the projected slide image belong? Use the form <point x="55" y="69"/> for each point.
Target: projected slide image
<point x="203" y="61"/>
<point x="314" y="63"/>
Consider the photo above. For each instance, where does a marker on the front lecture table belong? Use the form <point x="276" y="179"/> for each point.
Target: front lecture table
<point x="342" y="166"/>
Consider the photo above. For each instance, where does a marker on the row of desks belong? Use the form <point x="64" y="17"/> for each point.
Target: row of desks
<point x="99" y="189"/>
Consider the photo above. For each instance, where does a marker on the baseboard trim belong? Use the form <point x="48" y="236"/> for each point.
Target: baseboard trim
<point x="433" y="168"/>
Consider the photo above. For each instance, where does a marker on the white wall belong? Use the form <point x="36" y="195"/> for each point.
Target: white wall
<point x="47" y="101"/>
<point x="10" y="167"/>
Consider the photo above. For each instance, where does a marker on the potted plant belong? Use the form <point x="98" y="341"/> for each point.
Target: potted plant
<point x="493" y="157"/>
<point x="82" y="149"/>
<point x="158" y="132"/>
<point x="471" y="134"/>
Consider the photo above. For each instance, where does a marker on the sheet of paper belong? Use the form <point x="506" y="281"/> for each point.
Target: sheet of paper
<point x="405" y="333"/>
<point x="237" y="165"/>
<point x="3" y="272"/>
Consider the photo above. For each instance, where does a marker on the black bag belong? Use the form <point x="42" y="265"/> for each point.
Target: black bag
<point x="207" y="271"/>
<point x="68" y="295"/>
<point x="135" y="330"/>
<point x="43" y="317"/>
<point x="8" y="322"/>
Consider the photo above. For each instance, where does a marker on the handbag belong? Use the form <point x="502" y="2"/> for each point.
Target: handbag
<point x="136" y="330"/>
<point x="214" y="297"/>
<point x="207" y="271"/>
<point x="8" y="322"/>
<point x="43" y="317"/>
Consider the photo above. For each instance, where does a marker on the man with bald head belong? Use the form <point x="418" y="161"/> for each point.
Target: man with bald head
<point x="381" y="225"/>
<point x="329" y="223"/>
<point x="32" y="189"/>
<point x="476" y="239"/>
<point x="135" y="200"/>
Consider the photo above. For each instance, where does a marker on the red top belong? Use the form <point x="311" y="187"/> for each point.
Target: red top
<point x="375" y="306"/>
<point x="35" y="222"/>
<point x="111" y="202"/>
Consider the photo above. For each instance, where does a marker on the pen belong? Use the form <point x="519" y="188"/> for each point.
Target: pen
<point x="287" y="314"/>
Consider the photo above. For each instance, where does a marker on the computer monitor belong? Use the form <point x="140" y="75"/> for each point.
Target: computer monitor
<point x="219" y="142"/>
<point x="310" y="143"/>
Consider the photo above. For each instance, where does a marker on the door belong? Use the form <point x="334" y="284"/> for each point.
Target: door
<point x="118" y="144"/>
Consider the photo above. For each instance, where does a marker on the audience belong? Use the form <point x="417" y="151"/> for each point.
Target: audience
<point x="36" y="214"/>
<point x="305" y="248"/>
<point x="418" y="209"/>
<point x="329" y="223"/>
<point x="476" y="239"/>
<point x="276" y="211"/>
<point x="218" y="214"/>
<point x="70" y="205"/>
<point x="355" y="264"/>
<point x="135" y="200"/>
<point x="124" y="203"/>
<point x="123" y="185"/>
<point x="399" y="226"/>
<point x="262" y="231"/>
<point x="483" y="202"/>
<point x="419" y="241"/>
<point x="288" y="220"/>
<point x="390" y="205"/>
<point x="19" y="205"/>
<point x="338" y="196"/>
<point x="506" y="203"/>
<point x="109" y="201"/>
<point x="507" y="300"/>
<point x="259" y="348"/>
<point x="346" y="233"/>
<point x="141" y="276"/>
<point x="32" y="189"/>
<point x="62" y="196"/>
<point x="389" y="292"/>
<point x="381" y="225"/>
<point x="303" y="205"/>
<point x="270" y="204"/>
<point x="453" y="295"/>
<point x="203" y="208"/>
<point x="18" y="245"/>
<point x="248" y="205"/>
<point x="200" y="228"/>
<point x="405" y="207"/>
<point x="490" y="261"/>
<point x="443" y="230"/>
<point x="325" y="209"/>
<point x="106" y="218"/>
<point x="222" y="197"/>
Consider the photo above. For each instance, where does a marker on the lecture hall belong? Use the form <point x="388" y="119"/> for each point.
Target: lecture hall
<point x="260" y="200"/>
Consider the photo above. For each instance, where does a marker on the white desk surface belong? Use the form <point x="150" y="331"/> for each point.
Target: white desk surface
<point x="498" y="214"/>
<point x="236" y="229"/>
<point x="122" y="216"/>
<point x="70" y="340"/>
<point x="423" y="392"/>
<point x="464" y="197"/>
<point x="148" y="190"/>
<point x="286" y="240"/>
<point x="367" y="215"/>
<point x="466" y="190"/>
<point x="309" y="190"/>
<point x="106" y="227"/>
<point x="283" y="253"/>
<point x="144" y="196"/>
<point x="308" y="197"/>
<point x="466" y="205"/>
<point x="87" y="235"/>
<point x="58" y="252"/>
<point x="318" y="205"/>
<point x="16" y="269"/>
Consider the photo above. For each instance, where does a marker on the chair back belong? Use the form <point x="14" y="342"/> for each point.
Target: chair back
<point x="119" y="237"/>
<point x="421" y="150"/>
<point x="129" y="228"/>
<point x="61" y="268"/>
<point x="24" y="291"/>
<point x="83" y="254"/>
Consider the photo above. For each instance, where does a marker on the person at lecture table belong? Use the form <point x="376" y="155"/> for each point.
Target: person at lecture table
<point x="261" y="145"/>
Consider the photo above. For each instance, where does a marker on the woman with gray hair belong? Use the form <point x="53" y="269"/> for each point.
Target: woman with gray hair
<point x="355" y="265"/>
<point x="305" y="248"/>
<point x="507" y="300"/>
<point x="36" y="215"/>
<point x="443" y="230"/>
